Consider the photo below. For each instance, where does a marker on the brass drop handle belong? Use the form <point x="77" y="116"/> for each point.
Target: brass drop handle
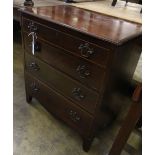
<point x="77" y="94"/>
<point x="74" y="116"/>
<point x="34" y="87"/>
<point x="85" y="50"/>
<point x="33" y="66"/>
<point x="37" y="46"/>
<point x="32" y="27"/>
<point x="34" y="37"/>
<point x="83" y="71"/>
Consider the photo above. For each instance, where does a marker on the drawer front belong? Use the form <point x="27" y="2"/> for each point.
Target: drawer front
<point x="74" y="45"/>
<point x="87" y="73"/>
<point x="71" y="89"/>
<point x="58" y="105"/>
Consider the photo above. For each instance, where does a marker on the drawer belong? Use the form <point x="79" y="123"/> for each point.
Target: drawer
<point x="58" y="105"/>
<point x="87" y="73"/>
<point x="84" y="49"/>
<point x="78" y="93"/>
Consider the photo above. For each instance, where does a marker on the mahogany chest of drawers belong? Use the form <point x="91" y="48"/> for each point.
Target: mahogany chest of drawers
<point x="74" y="60"/>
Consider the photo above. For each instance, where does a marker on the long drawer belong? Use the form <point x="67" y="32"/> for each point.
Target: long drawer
<point x="87" y="73"/>
<point x="73" y="44"/>
<point x="58" y="105"/>
<point x="71" y="89"/>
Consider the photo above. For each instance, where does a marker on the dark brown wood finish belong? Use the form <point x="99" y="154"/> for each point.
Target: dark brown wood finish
<point x="98" y="25"/>
<point x="62" y="83"/>
<point x="58" y="105"/>
<point x="78" y="68"/>
<point x="83" y="57"/>
<point x="62" y="40"/>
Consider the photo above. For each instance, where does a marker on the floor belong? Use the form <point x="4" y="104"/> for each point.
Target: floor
<point x="36" y="132"/>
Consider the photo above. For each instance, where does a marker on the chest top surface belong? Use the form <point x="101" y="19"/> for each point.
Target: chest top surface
<point x="98" y="25"/>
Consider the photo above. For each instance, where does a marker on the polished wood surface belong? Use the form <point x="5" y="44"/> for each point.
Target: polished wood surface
<point x="84" y="71"/>
<point x="101" y="26"/>
<point x="55" y="37"/>
<point x="85" y="68"/>
<point x="63" y="84"/>
<point x="58" y="105"/>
